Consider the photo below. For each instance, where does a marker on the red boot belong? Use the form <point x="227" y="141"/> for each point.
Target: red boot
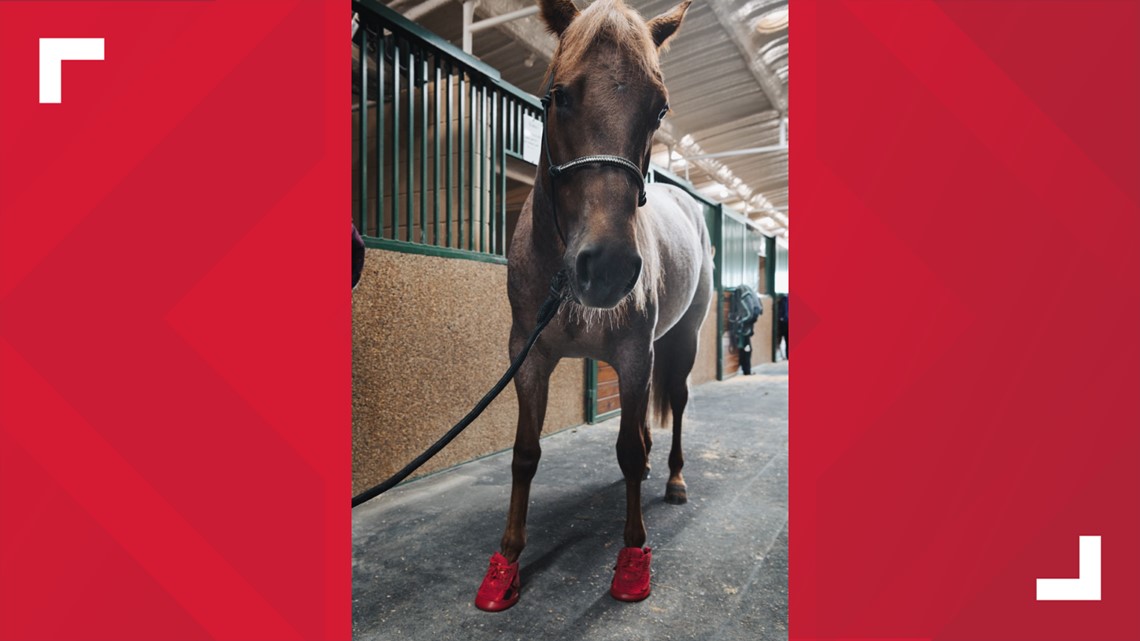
<point x="500" y="588"/>
<point x="631" y="576"/>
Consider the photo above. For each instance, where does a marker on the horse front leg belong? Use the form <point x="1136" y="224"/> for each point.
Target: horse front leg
<point x="500" y="588"/>
<point x="532" y="384"/>
<point x="631" y="577"/>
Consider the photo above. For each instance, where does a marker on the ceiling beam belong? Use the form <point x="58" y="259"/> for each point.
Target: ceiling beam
<point x="530" y="32"/>
<point x="742" y="35"/>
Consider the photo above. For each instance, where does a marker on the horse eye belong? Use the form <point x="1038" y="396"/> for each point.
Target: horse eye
<point x="561" y="99"/>
<point x="664" y="112"/>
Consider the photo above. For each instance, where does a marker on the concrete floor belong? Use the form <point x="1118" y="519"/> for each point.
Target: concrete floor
<point x="720" y="562"/>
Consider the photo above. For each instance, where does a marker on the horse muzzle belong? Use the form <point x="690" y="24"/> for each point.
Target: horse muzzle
<point x="602" y="278"/>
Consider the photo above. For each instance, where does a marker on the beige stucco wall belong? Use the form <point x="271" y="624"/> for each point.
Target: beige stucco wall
<point x="429" y="339"/>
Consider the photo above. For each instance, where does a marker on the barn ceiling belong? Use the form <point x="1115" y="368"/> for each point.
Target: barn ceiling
<point x="727" y="73"/>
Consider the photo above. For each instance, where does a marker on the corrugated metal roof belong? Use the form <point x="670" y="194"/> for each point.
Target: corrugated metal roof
<point x="727" y="73"/>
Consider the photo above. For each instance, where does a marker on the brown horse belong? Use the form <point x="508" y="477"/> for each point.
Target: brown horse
<point x="637" y="258"/>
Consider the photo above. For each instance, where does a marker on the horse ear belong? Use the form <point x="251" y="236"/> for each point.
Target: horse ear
<point x="666" y="24"/>
<point x="557" y="14"/>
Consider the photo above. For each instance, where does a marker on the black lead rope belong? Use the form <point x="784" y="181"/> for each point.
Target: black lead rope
<point x="546" y="313"/>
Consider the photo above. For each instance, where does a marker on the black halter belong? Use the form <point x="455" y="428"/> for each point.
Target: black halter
<point x="557" y="170"/>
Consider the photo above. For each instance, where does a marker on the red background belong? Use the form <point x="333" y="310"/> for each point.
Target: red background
<point x="174" y="320"/>
<point x="174" y="324"/>
<point x="966" y="294"/>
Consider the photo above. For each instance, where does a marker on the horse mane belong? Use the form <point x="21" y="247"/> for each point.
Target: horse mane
<point x="613" y="22"/>
<point x="649" y="247"/>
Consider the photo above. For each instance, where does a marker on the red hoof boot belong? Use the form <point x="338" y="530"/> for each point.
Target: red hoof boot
<point x="500" y="589"/>
<point x="631" y="576"/>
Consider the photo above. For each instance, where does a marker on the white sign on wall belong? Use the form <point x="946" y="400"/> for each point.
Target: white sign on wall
<point x="532" y="139"/>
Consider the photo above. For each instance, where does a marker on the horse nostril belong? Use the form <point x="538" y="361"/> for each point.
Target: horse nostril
<point x="585" y="260"/>
<point x="636" y="270"/>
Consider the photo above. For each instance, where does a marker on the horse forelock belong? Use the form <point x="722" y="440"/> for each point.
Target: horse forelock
<point x="613" y="22"/>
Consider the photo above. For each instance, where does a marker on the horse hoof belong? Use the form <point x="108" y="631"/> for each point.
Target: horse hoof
<point x="676" y="494"/>
<point x="500" y="588"/>
<point x="631" y="576"/>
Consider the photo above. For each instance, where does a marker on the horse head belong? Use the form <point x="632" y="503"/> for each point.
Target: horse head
<point x="605" y="99"/>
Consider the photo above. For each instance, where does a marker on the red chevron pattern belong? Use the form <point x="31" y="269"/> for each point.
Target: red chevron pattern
<point x="174" y="334"/>
<point x="964" y="406"/>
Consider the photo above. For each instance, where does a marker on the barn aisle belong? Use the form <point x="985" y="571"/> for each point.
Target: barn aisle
<point x="719" y="562"/>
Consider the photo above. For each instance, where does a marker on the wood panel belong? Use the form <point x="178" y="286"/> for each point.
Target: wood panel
<point x="608" y="405"/>
<point x="609" y="398"/>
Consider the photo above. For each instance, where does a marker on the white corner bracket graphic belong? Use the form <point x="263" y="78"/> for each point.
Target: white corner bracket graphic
<point x="1086" y="587"/>
<point x="53" y="51"/>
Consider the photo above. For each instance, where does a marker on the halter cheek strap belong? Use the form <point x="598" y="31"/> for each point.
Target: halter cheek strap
<point x="557" y="170"/>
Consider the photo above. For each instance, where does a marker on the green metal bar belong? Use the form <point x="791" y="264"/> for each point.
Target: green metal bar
<point x="432" y="250"/>
<point x="460" y="129"/>
<point x="717" y="236"/>
<point x="591" y="390"/>
<point x="395" y="138"/>
<point x="409" y="203"/>
<point x="492" y="218"/>
<point x="502" y="217"/>
<point x="601" y="418"/>
<point x="362" y="169"/>
<point x="435" y="136"/>
<point x="666" y="176"/>
<point x="483" y="182"/>
<point x="423" y="146"/>
<point x="497" y="143"/>
<point x="381" y="43"/>
<point x="516" y="123"/>
<point x="502" y="247"/>
<point x="471" y="170"/>
<point x="770" y="286"/>
<point x="450" y="158"/>
<point x="508" y="127"/>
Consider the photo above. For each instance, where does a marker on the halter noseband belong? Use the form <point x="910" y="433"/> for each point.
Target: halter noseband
<point x="557" y="170"/>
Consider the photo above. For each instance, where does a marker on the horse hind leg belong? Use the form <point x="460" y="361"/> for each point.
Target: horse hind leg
<point x="647" y="436"/>
<point x="675" y="354"/>
<point x="676" y="492"/>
